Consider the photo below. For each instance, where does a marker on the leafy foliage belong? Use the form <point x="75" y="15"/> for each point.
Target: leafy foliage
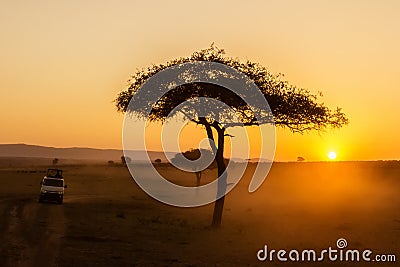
<point x="292" y="107"/>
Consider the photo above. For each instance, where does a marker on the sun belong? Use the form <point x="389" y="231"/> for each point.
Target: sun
<point x="332" y="155"/>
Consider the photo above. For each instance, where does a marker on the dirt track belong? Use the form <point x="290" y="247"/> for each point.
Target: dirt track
<point x="31" y="232"/>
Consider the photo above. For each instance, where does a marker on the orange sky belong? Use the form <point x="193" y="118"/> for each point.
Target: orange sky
<point x="63" y="62"/>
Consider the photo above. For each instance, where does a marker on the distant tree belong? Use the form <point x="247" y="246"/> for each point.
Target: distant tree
<point x="157" y="161"/>
<point x="125" y="160"/>
<point x="300" y="159"/>
<point x="292" y="107"/>
<point x="193" y="154"/>
<point x="55" y="161"/>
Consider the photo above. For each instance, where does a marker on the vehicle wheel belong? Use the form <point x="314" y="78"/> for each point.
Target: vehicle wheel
<point x="60" y="201"/>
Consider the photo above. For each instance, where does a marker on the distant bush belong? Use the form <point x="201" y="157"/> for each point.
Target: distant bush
<point x="300" y="159"/>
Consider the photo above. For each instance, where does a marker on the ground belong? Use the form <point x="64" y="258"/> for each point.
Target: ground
<point x="106" y="220"/>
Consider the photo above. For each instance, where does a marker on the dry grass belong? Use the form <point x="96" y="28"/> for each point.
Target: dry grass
<point x="108" y="221"/>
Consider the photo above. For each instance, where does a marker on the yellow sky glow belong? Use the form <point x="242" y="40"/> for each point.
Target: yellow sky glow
<point x="63" y="62"/>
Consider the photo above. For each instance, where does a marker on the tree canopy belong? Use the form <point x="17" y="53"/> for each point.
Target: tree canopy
<point x="292" y="107"/>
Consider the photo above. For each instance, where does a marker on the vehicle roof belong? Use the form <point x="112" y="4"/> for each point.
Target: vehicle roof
<point x="51" y="178"/>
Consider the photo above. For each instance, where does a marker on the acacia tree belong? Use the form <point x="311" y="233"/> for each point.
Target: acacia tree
<point x="193" y="154"/>
<point x="292" y="107"/>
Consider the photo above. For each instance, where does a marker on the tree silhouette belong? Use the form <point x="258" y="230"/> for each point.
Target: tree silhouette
<point x="193" y="154"/>
<point x="125" y="160"/>
<point x="292" y="107"/>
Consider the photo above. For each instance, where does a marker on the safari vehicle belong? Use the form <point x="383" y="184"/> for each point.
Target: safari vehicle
<point x="52" y="186"/>
<point x="54" y="173"/>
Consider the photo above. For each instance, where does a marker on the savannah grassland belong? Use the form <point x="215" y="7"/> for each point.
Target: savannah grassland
<point x="106" y="220"/>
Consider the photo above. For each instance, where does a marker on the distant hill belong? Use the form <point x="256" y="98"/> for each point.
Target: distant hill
<point x="33" y="151"/>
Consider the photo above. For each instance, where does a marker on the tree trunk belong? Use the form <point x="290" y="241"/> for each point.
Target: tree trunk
<point x="222" y="176"/>
<point x="222" y="180"/>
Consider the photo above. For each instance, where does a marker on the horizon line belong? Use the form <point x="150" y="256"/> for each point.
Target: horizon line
<point x="260" y="160"/>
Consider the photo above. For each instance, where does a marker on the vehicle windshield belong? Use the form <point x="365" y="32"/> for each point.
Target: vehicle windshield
<point x="53" y="182"/>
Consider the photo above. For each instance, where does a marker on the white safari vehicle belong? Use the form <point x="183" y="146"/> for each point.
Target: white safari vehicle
<point x="52" y="186"/>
